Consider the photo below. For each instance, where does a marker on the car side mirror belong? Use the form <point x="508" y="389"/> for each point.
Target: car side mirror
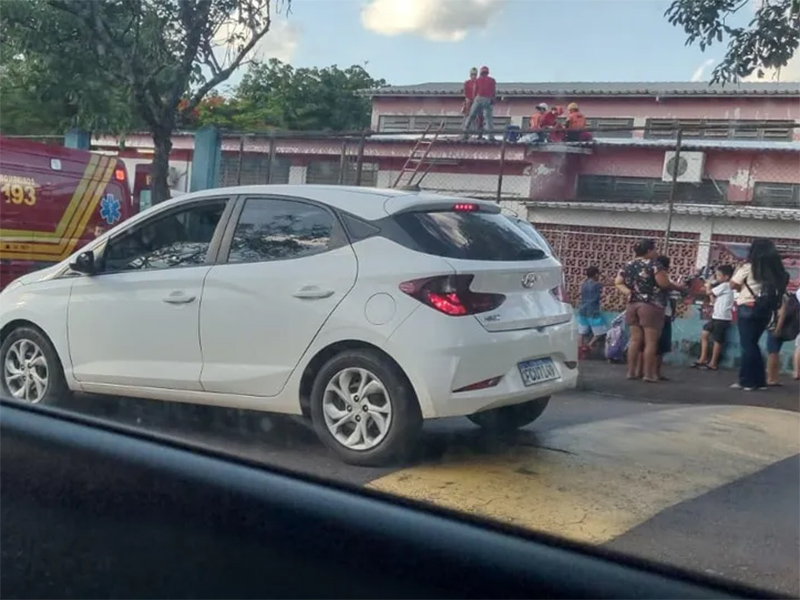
<point x="84" y="263"/>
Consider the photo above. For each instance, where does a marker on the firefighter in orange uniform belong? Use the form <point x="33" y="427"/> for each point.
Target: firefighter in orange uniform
<point x="576" y="123"/>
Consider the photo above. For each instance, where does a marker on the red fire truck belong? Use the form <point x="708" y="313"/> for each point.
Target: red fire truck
<point x="53" y="200"/>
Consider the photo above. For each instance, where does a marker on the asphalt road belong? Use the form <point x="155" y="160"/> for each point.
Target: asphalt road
<point x="708" y="488"/>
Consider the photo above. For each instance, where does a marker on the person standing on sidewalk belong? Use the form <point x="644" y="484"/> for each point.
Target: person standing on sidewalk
<point x="591" y="325"/>
<point x="761" y="283"/>
<point x="643" y="280"/>
<point x="715" y="331"/>
<point x="485" y="93"/>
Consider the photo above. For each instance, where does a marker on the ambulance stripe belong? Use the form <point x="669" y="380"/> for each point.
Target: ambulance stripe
<point x="593" y="482"/>
<point x="88" y="175"/>
<point x="58" y="249"/>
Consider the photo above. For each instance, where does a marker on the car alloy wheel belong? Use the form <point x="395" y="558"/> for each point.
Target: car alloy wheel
<point x="25" y="371"/>
<point x="357" y="409"/>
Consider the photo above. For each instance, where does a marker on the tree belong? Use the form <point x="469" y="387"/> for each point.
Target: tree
<point x="153" y="52"/>
<point x="768" y="41"/>
<point x="45" y="92"/>
<point x="276" y="95"/>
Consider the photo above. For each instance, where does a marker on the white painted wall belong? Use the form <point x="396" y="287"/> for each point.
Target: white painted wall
<point x="680" y="223"/>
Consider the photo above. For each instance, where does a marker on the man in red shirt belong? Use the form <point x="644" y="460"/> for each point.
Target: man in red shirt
<point x="542" y="119"/>
<point x="470" y="92"/>
<point x="483" y="105"/>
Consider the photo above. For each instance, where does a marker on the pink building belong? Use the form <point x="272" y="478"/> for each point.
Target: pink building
<point x="742" y="141"/>
<point x="740" y="176"/>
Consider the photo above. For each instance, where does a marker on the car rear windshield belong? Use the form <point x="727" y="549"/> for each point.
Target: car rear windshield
<point x="529" y="230"/>
<point x="468" y="236"/>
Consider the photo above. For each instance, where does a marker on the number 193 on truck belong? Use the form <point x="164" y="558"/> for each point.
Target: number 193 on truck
<point x="53" y="200"/>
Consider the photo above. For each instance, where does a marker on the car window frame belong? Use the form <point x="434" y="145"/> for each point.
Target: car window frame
<point x="212" y="254"/>
<point x="338" y="237"/>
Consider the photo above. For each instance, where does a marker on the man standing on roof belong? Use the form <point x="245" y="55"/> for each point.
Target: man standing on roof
<point x="576" y="123"/>
<point x="470" y="91"/>
<point x="483" y="105"/>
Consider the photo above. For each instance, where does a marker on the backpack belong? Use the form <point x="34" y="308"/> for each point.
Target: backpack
<point x="791" y="322"/>
<point x="616" y="340"/>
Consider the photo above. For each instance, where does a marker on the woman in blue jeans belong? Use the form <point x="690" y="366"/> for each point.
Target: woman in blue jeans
<point x="762" y="274"/>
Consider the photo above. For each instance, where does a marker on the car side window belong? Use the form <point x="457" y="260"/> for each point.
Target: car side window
<point x="178" y="239"/>
<point x="272" y="229"/>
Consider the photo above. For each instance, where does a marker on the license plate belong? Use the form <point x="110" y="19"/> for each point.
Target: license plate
<point x="537" y="371"/>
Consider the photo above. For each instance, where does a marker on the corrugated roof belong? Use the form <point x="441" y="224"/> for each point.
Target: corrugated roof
<point x="599" y="88"/>
<point x="700" y="210"/>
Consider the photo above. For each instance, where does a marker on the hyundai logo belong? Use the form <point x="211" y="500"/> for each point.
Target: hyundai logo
<point x="529" y="280"/>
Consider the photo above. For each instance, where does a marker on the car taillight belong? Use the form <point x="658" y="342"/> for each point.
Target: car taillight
<point x="450" y="294"/>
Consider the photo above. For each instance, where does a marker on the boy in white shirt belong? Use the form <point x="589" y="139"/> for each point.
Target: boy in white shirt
<point x="716" y="330"/>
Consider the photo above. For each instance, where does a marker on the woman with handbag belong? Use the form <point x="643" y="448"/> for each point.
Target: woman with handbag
<point x="761" y="283"/>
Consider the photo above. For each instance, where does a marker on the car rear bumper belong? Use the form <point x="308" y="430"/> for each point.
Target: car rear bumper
<point x="441" y="354"/>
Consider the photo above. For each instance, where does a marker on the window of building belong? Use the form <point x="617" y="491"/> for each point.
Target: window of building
<point x="254" y="169"/>
<point x="642" y="190"/>
<point x="279" y="230"/>
<point x="720" y="129"/>
<point x="418" y="123"/>
<point x="179" y="239"/>
<point x="327" y="172"/>
<point x="778" y="195"/>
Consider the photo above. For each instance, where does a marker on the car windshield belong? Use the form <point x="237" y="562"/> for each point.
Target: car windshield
<point x="554" y="293"/>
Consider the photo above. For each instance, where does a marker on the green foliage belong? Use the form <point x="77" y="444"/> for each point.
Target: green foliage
<point x="131" y="61"/>
<point x="44" y="86"/>
<point x="769" y="40"/>
<point x="274" y="95"/>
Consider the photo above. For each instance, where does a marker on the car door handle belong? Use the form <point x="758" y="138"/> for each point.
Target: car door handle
<point x="179" y="298"/>
<point x="312" y="292"/>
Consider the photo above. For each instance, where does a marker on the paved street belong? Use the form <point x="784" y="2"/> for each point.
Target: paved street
<point x="712" y="488"/>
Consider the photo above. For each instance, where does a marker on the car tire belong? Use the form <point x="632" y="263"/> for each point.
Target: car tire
<point x="30" y="369"/>
<point x="508" y="418"/>
<point x="393" y="432"/>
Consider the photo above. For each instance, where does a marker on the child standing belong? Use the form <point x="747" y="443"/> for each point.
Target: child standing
<point x="715" y="331"/>
<point x="591" y="324"/>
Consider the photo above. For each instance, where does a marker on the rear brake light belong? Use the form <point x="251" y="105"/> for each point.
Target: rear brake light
<point x="450" y="294"/>
<point x="480" y="385"/>
<point x="119" y="175"/>
<point x="466" y="207"/>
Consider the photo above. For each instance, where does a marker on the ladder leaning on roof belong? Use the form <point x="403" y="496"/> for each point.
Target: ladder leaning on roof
<point x="416" y="159"/>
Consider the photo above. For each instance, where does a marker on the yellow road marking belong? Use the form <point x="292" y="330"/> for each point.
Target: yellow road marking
<point x="592" y="482"/>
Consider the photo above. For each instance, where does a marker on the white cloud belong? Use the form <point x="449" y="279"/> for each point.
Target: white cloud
<point x="280" y="42"/>
<point x="436" y="20"/>
<point x="701" y="70"/>
<point x="790" y="72"/>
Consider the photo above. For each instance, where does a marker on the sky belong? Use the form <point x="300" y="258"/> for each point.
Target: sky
<point x="415" y="41"/>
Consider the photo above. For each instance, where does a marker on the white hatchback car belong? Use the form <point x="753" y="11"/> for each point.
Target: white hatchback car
<point x="365" y="310"/>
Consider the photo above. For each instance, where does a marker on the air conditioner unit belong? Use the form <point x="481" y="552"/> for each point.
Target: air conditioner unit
<point x="689" y="166"/>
